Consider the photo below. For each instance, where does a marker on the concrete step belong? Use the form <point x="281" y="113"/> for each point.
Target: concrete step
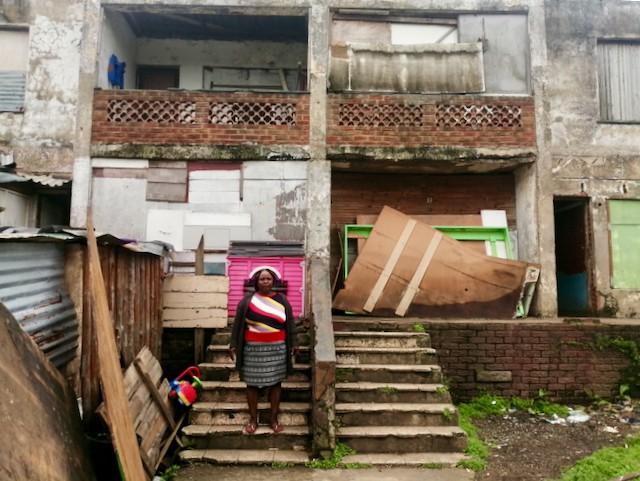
<point x="388" y="355"/>
<point x="227" y="372"/>
<point x="382" y="339"/>
<point x="406" y="459"/>
<point x="235" y="391"/>
<point x="347" y="392"/>
<point x="293" y="438"/>
<point x="403" y="439"/>
<point x="237" y="413"/>
<point x="365" y="323"/>
<point x="389" y="373"/>
<point x="245" y="456"/>
<point x="219" y="354"/>
<point x="396" y="414"/>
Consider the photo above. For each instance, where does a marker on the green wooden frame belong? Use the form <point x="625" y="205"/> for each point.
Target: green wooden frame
<point x="462" y="233"/>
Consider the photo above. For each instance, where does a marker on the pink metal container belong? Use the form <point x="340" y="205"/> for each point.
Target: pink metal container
<point x="289" y="268"/>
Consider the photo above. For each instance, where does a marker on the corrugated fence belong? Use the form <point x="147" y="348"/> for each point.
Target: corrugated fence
<point x="32" y="288"/>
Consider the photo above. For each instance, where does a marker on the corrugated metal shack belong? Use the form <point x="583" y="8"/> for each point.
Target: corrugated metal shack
<point x="43" y="275"/>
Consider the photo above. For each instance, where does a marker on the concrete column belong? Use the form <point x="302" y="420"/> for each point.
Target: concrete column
<point x="536" y="233"/>
<point x="318" y="229"/>
<point x="81" y="190"/>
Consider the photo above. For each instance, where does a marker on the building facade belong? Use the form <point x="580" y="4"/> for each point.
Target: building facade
<point x="286" y="120"/>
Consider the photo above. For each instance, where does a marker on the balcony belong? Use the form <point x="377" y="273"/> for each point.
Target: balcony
<point x="123" y="119"/>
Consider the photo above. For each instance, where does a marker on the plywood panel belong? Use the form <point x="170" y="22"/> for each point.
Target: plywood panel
<point x="41" y="436"/>
<point x="195" y="301"/>
<point x="458" y="282"/>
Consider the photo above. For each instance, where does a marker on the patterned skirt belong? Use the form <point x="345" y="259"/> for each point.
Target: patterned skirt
<point x="264" y="364"/>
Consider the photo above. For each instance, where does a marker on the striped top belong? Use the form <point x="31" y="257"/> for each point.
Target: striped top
<point x="266" y="318"/>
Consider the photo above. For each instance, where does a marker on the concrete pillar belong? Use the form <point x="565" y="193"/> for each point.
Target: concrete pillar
<point x="318" y="230"/>
<point x="536" y="233"/>
<point x="81" y="191"/>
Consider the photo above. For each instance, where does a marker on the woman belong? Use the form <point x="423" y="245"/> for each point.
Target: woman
<point x="263" y="336"/>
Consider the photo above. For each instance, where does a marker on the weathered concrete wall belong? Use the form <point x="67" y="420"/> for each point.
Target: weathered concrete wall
<point x="506" y="50"/>
<point x="41" y="138"/>
<point x="273" y="195"/>
<point x="590" y="159"/>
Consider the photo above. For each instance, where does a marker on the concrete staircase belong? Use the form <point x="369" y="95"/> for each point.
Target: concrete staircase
<point x="391" y="405"/>
<point x="214" y="430"/>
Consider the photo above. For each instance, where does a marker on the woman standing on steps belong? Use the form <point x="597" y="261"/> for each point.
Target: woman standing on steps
<point x="263" y="341"/>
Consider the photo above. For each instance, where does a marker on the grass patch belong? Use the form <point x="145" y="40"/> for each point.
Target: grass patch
<point x="606" y="464"/>
<point x="170" y="473"/>
<point x="387" y="389"/>
<point x="335" y="461"/>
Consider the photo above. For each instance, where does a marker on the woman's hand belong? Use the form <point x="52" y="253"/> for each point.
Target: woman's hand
<point x="232" y="353"/>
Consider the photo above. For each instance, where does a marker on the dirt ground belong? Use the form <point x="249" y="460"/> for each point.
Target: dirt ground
<point x="533" y="448"/>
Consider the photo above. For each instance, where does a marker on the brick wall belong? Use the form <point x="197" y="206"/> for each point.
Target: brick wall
<point x="434" y="121"/>
<point x="189" y="117"/>
<point x="518" y="358"/>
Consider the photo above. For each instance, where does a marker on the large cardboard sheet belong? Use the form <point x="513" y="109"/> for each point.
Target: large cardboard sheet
<point x="408" y="268"/>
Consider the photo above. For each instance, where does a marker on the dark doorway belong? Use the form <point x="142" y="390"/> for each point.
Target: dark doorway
<point x="573" y="254"/>
<point x="157" y="78"/>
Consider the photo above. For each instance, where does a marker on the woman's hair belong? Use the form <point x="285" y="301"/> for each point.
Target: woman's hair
<point x="256" y="277"/>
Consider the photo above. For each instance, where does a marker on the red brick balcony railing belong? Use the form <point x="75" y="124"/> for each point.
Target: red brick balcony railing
<point x="201" y="118"/>
<point x="379" y="120"/>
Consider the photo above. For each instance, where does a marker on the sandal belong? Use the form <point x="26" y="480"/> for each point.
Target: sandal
<point x="277" y="427"/>
<point x="250" y="427"/>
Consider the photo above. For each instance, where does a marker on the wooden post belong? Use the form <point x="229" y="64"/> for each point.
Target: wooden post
<point x="115" y="399"/>
<point x="199" y="346"/>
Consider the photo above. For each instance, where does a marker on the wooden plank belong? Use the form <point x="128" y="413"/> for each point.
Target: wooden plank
<point x="388" y="268"/>
<point x="169" y="439"/>
<point x="209" y="323"/>
<point x="188" y="283"/>
<point x="433" y="219"/>
<point x="115" y="398"/>
<point x="177" y="300"/>
<point x="193" y="314"/>
<point x="155" y="395"/>
<point x="412" y="288"/>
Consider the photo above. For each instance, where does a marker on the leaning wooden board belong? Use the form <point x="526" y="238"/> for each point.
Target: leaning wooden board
<point x="407" y="269"/>
<point x="153" y="413"/>
<point x="116" y="402"/>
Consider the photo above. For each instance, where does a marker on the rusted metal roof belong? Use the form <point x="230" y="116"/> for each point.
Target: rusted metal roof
<point x="32" y="284"/>
<point x="46" y="180"/>
<point x="32" y="288"/>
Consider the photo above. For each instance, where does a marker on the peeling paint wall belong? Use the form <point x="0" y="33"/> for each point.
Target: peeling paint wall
<point x="272" y="197"/>
<point x="40" y="139"/>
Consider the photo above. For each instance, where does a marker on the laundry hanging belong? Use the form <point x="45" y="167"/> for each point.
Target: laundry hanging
<point x="115" y="72"/>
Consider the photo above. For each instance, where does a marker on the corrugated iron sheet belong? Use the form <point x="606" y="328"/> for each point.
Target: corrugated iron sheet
<point x="12" y="86"/>
<point x="32" y="288"/>
<point x="267" y="248"/>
